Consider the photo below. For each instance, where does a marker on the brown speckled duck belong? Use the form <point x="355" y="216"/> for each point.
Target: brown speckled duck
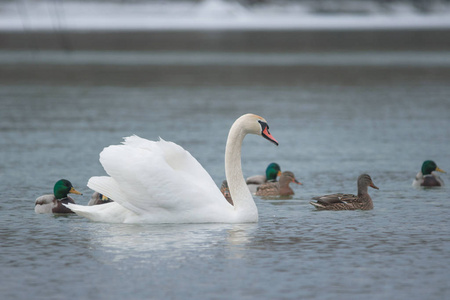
<point x="226" y="192"/>
<point x="97" y="199"/>
<point x="348" y="201"/>
<point x="280" y="188"/>
<point x="48" y="204"/>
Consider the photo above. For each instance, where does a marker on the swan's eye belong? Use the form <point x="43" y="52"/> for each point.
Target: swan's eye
<point x="263" y="125"/>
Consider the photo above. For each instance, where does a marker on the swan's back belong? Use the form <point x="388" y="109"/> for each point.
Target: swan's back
<point x="156" y="177"/>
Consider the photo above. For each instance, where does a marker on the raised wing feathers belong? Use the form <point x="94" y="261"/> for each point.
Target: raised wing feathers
<point x="144" y="173"/>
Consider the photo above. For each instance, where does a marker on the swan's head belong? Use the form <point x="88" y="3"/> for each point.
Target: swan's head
<point x="265" y="131"/>
<point x="258" y="125"/>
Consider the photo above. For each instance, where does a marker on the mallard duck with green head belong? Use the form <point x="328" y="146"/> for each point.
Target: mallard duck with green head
<point x="348" y="201"/>
<point x="428" y="176"/>
<point x="52" y="203"/>
<point x="273" y="170"/>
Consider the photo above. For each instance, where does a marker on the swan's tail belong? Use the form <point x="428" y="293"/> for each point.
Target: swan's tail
<point x="109" y="212"/>
<point x="90" y="212"/>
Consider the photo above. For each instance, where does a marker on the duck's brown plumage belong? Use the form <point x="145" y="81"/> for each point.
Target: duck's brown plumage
<point x="98" y="199"/>
<point x="226" y="192"/>
<point x="342" y="201"/>
<point x="280" y="188"/>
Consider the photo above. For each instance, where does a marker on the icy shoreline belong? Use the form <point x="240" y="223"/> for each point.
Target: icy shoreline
<point x="206" y="15"/>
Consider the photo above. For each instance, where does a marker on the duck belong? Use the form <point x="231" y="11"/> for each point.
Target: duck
<point x="428" y="176"/>
<point x="97" y="199"/>
<point x="226" y="191"/>
<point x="273" y="170"/>
<point x="341" y="201"/>
<point x="181" y="190"/>
<point x="53" y="203"/>
<point x="280" y="188"/>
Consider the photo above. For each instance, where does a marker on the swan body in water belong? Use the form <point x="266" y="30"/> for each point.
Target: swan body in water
<point x="160" y="182"/>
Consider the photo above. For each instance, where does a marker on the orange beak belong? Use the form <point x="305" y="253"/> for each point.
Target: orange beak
<point x="74" y="191"/>
<point x="373" y="186"/>
<point x="268" y="136"/>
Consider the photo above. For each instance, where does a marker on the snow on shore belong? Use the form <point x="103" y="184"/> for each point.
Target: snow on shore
<point x="206" y="15"/>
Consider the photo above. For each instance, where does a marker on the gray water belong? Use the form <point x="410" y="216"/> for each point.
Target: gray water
<point x="334" y="118"/>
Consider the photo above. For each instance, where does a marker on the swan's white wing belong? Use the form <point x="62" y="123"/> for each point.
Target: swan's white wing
<point x="110" y="188"/>
<point x="148" y="176"/>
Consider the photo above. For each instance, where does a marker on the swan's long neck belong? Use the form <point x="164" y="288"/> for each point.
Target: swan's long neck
<point x="242" y="198"/>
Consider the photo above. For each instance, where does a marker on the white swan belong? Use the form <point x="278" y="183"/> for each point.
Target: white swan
<point x="160" y="182"/>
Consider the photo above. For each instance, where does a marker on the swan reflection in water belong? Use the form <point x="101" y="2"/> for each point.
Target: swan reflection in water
<point x="168" y="241"/>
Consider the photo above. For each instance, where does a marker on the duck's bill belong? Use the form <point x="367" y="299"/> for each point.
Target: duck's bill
<point x="297" y="182"/>
<point x="74" y="191"/>
<point x="440" y="170"/>
<point x="373" y="186"/>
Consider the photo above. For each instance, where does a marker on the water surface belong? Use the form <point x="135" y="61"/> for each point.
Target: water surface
<point x="333" y="123"/>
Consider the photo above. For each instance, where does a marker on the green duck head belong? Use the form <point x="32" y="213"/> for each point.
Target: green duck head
<point x="429" y="166"/>
<point x="62" y="188"/>
<point x="273" y="170"/>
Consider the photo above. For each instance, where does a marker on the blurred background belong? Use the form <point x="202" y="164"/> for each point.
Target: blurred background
<point x="73" y="28"/>
<point x="347" y="86"/>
